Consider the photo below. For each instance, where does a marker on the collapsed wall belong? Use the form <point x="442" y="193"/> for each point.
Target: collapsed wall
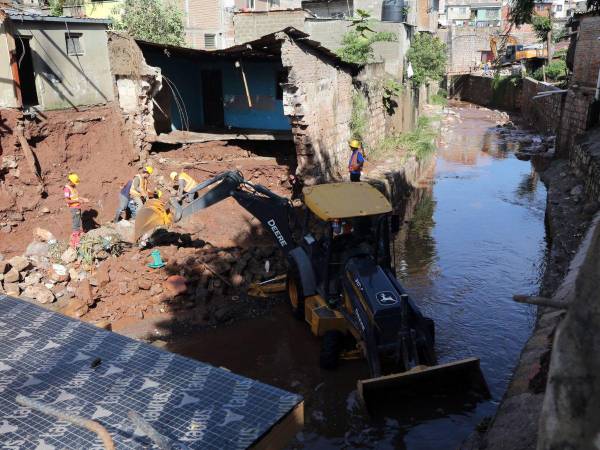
<point x="136" y="84"/>
<point x="93" y="143"/>
<point x="318" y="99"/>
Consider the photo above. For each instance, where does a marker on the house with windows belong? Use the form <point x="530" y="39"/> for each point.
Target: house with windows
<point x="53" y="62"/>
<point x="474" y="13"/>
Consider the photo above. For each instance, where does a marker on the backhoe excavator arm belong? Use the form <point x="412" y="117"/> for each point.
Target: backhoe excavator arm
<point x="272" y="210"/>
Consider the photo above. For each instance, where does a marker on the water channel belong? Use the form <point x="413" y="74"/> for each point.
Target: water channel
<point x="473" y="236"/>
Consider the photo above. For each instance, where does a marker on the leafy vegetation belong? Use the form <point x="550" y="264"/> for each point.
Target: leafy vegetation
<point x="542" y="25"/>
<point x="428" y="57"/>
<point x="358" y="120"/>
<point x="419" y="143"/>
<point x="157" y="21"/>
<point x="56" y="6"/>
<point x="441" y="98"/>
<point x="357" y="44"/>
<point x="555" y="71"/>
<point x="391" y="89"/>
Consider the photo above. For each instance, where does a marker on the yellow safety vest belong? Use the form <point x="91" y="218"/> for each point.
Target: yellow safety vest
<point x="72" y="197"/>
<point x="143" y="186"/>
<point x="190" y="183"/>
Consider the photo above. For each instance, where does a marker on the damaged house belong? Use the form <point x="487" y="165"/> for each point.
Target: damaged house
<point x="281" y="87"/>
<point x="55" y="62"/>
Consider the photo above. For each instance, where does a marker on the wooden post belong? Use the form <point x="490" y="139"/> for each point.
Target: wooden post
<point x="246" y="88"/>
<point x="14" y="64"/>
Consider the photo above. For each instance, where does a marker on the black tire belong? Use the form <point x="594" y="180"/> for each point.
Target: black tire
<point x="295" y="293"/>
<point x="331" y="347"/>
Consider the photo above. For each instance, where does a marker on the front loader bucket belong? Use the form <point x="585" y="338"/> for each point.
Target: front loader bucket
<point x="154" y="214"/>
<point x="456" y="377"/>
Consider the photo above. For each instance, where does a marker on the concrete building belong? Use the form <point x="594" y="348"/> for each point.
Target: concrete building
<point x="474" y="13"/>
<point x="53" y="62"/>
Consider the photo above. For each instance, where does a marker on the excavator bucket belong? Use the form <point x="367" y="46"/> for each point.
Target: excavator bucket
<point x="154" y="214"/>
<point x="457" y="377"/>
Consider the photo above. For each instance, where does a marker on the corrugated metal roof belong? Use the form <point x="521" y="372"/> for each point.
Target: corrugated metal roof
<point x="266" y="47"/>
<point x="31" y="16"/>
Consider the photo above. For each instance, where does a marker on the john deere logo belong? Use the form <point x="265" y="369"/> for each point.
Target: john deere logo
<point x="386" y="298"/>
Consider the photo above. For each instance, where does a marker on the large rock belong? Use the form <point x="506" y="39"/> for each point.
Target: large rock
<point x="59" y="273"/>
<point x="32" y="278"/>
<point x="12" y="276"/>
<point x="39" y="293"/>
<point x="84" y="293"/>
<point x="76" y="308"/>
<point x="125" y="229"/>
<point x="69" y="255"/>
<point x="175" y="285"/>
<point x="102" y="276"/>
<point x="37" y="249"/>
<point x="43" y="235"/>
<point x="4" y="267"/>
<point x="12" y="289"/>
<point x="19" y="263"/>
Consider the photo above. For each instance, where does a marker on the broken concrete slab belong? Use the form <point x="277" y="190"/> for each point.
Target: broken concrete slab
<point x="19" y="263"/>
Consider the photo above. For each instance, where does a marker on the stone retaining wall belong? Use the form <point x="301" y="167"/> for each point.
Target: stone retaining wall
<point x="585" y="159"/>
<point x="543" y="113"/>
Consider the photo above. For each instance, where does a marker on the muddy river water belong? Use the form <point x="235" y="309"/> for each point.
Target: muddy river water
<point x="473" y="236"/>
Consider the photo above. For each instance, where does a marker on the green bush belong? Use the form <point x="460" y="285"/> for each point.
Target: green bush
<point x="428" y="57"/>
<point x="358" y="120"/>
<point x="157" y="21"/>
<point x="419" y="143"/>
<point x="555" y="71"/>
<point x="357" y="44"/>
<point x="441" y="98"/>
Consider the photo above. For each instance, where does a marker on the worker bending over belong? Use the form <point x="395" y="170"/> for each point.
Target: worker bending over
<point x="184" y="182"/>
<point x="74" y="202"/>
<point x="139" y="192"/>
<point x="357" y="160"/>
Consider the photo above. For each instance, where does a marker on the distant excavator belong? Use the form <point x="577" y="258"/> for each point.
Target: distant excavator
<point x="341" y="281"/>
<point x="506" y="50"/>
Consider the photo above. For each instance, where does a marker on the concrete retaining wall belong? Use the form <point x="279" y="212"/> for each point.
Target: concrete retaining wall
<point x="585" y="159"/>
<point x="481" y="90"/>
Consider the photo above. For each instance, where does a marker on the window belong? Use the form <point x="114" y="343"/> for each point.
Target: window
<point x="210" y="41"/>
<point x="558" y="8"/>
<point x="274" y="4"/>
<point x="462" y="10"/>
<point x="250" y="4"/>
<point x="73" y="41"/>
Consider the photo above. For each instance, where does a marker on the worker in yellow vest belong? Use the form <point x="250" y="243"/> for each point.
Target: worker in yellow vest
<point x="74" y="201"/>
<point x="185" y="183"/>
<point x="139" y="192"/>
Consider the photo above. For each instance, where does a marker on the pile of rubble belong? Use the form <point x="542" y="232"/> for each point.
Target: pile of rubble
<point x="107" y="280"/>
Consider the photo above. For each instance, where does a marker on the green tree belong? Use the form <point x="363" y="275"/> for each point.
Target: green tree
<point x="357" y="44"/>
<point x="542" y="25"/>
<point x="427" y="54"/>
<point x="157" y="21"/>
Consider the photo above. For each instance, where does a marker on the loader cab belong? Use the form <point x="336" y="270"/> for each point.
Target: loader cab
<point x="352" y="219"/>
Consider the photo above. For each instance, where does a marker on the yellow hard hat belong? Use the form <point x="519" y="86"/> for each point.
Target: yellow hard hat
<point x="73" y="178"/>
<point x="355" y="143"/>
<point x="173" y="175"/>
<point x="149" y="170"/>
<point x="158" y="193"/>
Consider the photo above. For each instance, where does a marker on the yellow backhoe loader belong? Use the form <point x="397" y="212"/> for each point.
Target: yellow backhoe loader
<point x="341" y="281"/>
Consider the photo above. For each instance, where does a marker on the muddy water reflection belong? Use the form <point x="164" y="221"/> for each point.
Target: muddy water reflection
<point x="473" y="236"/>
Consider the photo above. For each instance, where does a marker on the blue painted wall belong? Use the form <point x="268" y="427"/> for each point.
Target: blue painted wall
<point x="185" y="74"/>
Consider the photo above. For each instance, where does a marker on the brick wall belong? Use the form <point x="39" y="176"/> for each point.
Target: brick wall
<point x="248" y="26"/>
<point x="465" y="45"/>
<point x="544" y="114"/>
<point x="585" y="159"/>
<point x="318" y="99"/>
<point x="576" y="117"/>
<point x="370" y="82"/>
<point x="587" y="52"/>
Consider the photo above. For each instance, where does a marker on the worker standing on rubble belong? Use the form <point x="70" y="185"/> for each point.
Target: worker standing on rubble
<point x="357" y="160"/>
<point x="138" y="192"/>
<point x="74" y="202"/>
<point x="185" y="183"/>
